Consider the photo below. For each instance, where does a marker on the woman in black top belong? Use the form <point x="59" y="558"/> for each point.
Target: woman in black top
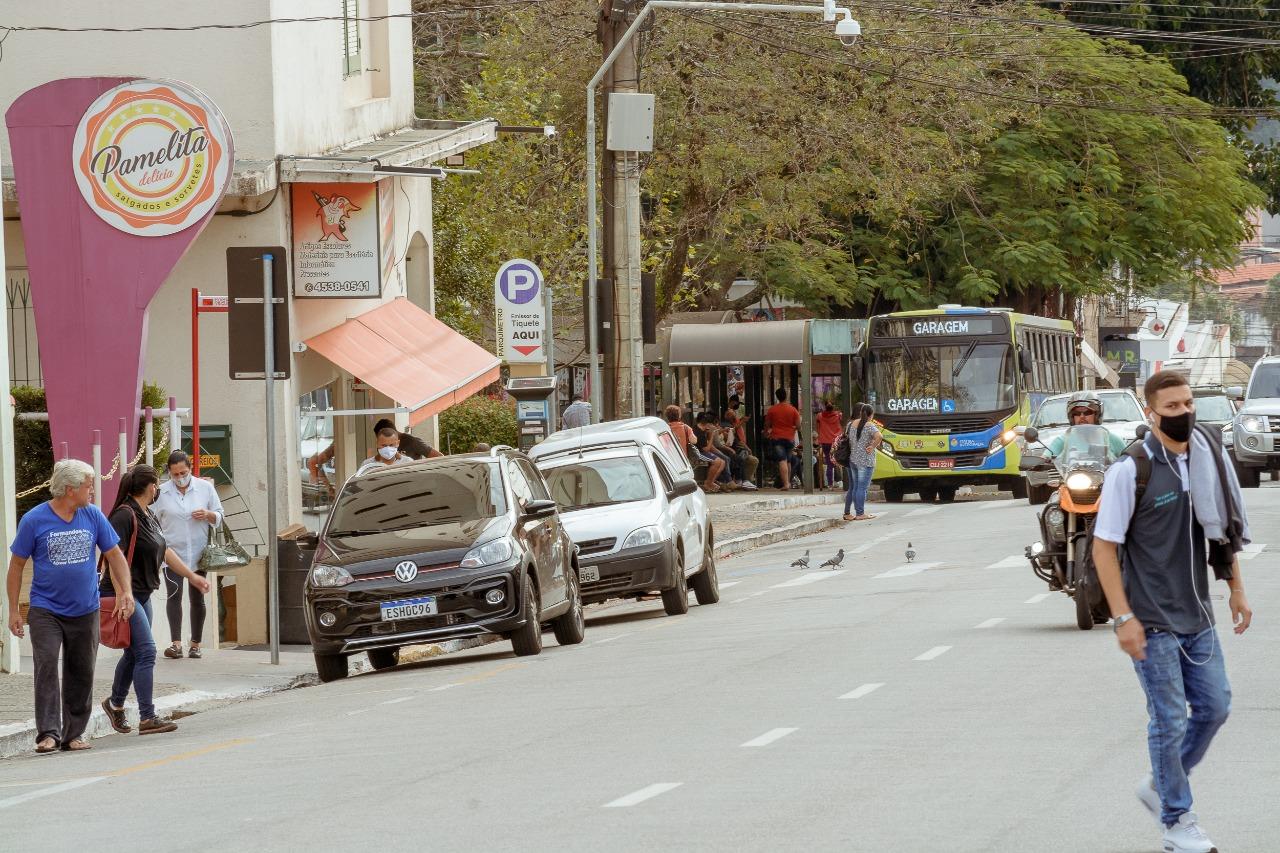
<point x="145" y="548"/>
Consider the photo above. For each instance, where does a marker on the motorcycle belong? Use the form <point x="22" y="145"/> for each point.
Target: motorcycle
<point x="1062" y="558"/>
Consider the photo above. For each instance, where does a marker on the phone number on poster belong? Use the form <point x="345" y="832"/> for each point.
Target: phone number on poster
<point x="338" y="286"/>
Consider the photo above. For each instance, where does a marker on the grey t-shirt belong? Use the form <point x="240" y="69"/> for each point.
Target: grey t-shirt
<point x="1163" y="565"/>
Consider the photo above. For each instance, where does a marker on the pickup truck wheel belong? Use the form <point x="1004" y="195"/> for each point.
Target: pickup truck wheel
<point x="676" y="600"/>
<point x="1037" y="495"/>
<point x="527" y="640"/>
<point x="706" y="584"/>
<point x="384" y="658"/>
<point x="1249" y="477"/>
<point x="331" y="667"/>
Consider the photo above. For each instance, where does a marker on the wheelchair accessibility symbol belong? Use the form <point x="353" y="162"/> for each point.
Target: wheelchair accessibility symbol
<point x="948" y="407"/>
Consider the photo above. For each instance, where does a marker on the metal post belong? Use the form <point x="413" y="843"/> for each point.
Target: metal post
<point x="97" y="468"/>
<point x="195" y="381"/>
<point x="150" y="439"/>
<point x="269" y="371"/>
<point x="807" y="434"/>
<point x="175" y="426"/>
<point x="553" y="417"/>
<point x="124" y="448"/>
<point x="66" y="451"/>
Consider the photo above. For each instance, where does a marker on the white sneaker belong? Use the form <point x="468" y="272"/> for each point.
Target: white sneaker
<point x="1186" y="836"/>
<point x="748" y="485"/>
<point x="1150" y="798"/>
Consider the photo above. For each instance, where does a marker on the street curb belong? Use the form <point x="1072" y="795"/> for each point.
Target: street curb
<point x="786" y="502"/>
<point x="19" y="738"/>
<point x="739" y="544"/>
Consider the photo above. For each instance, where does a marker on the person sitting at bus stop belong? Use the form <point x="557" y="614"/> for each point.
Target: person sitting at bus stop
<point x="707" y="426"/>
<point x="410" y="445"/>
<point x="683" y="434"/>
<point x="388" y="453"/>
<point x="781" y="425"/>
<point x="1085" y="409"/>
<point x="742" y="465"/>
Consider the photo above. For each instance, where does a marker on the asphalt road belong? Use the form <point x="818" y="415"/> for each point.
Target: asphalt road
<point x="950" y="705"/>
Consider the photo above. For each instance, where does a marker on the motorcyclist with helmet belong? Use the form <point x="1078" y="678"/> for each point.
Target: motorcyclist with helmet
<point x="1085" y="408"/>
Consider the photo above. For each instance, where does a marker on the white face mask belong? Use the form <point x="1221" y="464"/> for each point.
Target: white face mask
<point x="183" y="481"/>
<point x="388" y="453"/>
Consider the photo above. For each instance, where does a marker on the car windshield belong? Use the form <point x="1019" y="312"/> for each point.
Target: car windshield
<point x="1116" y="409"/>
<point x="410" y="497"/>
<point x="583" y="484"/>
<point x="1265" y="381"/>
<point x="955" y="378"/>
<point x="1214" y="409"/>
<point x="1085" y="445"/>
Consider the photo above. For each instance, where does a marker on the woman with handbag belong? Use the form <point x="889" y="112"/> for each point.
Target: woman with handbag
<point x="145" y="549"/>
<point x="189" y="512"/>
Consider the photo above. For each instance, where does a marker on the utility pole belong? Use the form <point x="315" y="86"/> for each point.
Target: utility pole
<point x="622" y="223"/>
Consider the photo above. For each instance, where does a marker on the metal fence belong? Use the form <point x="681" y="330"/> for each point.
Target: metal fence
<point x="24" y="351"/>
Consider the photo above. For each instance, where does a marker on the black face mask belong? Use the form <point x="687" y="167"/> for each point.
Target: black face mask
<point x="1178" y="427"/>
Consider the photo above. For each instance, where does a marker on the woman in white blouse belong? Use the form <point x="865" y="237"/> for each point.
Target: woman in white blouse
<point x="188" y="508"/>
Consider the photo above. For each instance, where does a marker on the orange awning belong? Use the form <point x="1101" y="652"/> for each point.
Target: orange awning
<point x="410" y="356"/>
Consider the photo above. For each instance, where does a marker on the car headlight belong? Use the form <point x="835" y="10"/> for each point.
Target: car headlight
<point x="650" y="535"/>
<point x="1079" y="482"/>
<point x="330" y="576"/>
<point x="1251" y="424"/>
<point x="497" y="551"/>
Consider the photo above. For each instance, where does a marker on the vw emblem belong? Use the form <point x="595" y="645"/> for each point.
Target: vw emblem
<point x="406" y="571"/>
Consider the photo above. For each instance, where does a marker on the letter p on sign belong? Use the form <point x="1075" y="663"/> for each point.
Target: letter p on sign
<point x="518" y="282"/>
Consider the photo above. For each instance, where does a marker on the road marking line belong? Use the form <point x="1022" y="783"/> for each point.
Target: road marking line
<point x="1037" y="598"/>
<point x="927" y="510"/>
<point x="808" y="579"/>
<point x="859" y="692"/>
<point x="611" y="639"/>
<point x="906" y="569"/>
<point x="1251" y="550"/>
<point x="647" y="793"/>
<point x="396" y="701"/>
<point x="722" y="586"/>
<point x="491" y="673"/>
<point x="183" y="756"/>
<point x="769" y="737"/>
<point x="52" y="789"/>
<point x="990" y="623"/>
<point x="867" y="546"/>
<point x="935" y="652"/>
<point x="443" y="687"/>
<point x="361" y="711"/>
<point x="1016" y="561"/>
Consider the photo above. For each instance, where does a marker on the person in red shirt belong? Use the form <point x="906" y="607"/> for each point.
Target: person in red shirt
<point x="686" y="438"/>
<point x="830" y="422"/>
<point x="781" y="424"/>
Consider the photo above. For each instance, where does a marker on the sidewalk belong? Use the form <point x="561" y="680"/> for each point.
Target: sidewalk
<point x="742" y="521"/>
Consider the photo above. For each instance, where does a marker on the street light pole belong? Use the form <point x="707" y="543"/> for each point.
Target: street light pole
<point x="828" y="10"/>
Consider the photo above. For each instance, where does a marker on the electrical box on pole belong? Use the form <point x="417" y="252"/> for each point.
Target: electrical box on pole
<point x="630" y="126"/>
<point x="246" y="336"/>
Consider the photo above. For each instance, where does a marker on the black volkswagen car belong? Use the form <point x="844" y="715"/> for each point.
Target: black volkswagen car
<point x="446" y="548"/>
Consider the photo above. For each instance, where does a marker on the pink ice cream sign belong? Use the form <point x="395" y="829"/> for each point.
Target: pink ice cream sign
<point x="116" y="179"/>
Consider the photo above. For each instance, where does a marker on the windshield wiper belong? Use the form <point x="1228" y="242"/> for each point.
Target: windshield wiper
<point x="354" y="532"/>
<point x="963" y="360"/>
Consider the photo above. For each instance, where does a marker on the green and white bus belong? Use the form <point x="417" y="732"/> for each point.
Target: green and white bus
<point x="950" y="386"/>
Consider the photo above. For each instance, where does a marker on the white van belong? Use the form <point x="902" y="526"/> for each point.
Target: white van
<point x="630" y="504"/>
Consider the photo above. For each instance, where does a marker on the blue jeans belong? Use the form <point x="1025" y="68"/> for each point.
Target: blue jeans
<point x="1177" y="741"/>
<point x="137" y="666"/>
<point x="859" y="482"/>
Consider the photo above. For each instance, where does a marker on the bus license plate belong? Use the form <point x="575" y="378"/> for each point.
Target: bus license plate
<point x="409" y="608"/>
<point x="942" y="463"/>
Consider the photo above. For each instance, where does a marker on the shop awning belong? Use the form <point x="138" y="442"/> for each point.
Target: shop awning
<point x="395" y="153"/>
<point x="410" y="356"/>
<point x="774" y="342"/>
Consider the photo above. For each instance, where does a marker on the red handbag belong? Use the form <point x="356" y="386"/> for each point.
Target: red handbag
<point x="112" y="632"/>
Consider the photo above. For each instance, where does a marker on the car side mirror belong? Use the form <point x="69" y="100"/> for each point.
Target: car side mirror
<point x="682" y="488"/>
<point x="1235" y="392"/>
<point x="1142" y="431"/>
<point x="539" y="509"/>
<point x="1030" y="434"/>
<point x="1024" y="361"/>
<point x="309" y="540"/>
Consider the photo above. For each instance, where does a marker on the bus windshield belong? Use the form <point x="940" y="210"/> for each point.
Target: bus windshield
<point x="957" y="377"/>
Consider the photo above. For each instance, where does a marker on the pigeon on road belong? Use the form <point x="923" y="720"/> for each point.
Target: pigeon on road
<point x="911" y="553"/>
<point x="803" y="562"/>
<point x="834" y="561"/>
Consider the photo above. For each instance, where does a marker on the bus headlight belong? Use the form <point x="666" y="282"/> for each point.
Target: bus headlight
<point x="886" y="448"/>
<point x="1001" y="441"/>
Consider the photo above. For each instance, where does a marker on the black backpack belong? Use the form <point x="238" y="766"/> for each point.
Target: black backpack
<point x="842" y="451"/>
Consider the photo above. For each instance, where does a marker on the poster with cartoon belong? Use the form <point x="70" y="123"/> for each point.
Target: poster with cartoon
<point x="337" y="236"/>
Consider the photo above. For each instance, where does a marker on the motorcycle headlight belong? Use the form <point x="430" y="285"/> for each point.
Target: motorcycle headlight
<point x="1079" y="482"/>
<point x="1251" y="424"/>
<point x="650" y="535"/>
<point x="497" y="551"/>
<point x="330" y="576"/>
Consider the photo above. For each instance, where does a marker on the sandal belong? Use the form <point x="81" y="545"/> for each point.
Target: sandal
<point x="174" y="652"/>
<point x="77" y="745"/>
<point x="865" y="517"/>
<point x="116" y="717"/>
<point x="848" y="517"/>
<point x="46" y="746"/>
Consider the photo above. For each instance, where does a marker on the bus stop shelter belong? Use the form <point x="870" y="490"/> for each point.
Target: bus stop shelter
<point x="706" y="363"/>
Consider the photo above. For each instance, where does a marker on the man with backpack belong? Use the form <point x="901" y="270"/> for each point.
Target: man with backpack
<point x="1174" y="505"/>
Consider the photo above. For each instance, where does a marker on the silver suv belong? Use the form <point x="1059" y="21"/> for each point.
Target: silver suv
<point x="1255" y="431"/>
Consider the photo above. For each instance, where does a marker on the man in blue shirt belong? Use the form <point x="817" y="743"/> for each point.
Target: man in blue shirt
<point x="61" y="537"/>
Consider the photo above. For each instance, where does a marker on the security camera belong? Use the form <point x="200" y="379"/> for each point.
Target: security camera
<point x="848" y="30"/>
